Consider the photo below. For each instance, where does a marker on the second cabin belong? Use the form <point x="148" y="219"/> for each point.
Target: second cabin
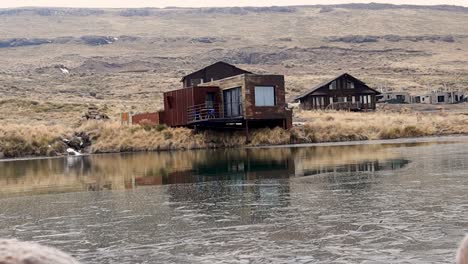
<point x="344" y="92"/>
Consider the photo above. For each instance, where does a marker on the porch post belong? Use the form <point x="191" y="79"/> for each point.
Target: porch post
<point x="247" y="136"/>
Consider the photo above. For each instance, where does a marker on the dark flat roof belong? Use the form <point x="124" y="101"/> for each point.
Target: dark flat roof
<point x="212" y="65"/>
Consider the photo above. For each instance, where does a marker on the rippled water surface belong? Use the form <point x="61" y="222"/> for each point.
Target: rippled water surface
<point x="369" y="203"/>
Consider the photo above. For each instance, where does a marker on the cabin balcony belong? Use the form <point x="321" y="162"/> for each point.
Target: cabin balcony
<point x="214" y="113"/>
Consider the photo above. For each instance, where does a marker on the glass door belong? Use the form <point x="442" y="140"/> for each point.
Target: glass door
<point x="232" y="102"/>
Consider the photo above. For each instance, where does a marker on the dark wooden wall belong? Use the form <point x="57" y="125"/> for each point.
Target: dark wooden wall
<point x="213" y="73"/>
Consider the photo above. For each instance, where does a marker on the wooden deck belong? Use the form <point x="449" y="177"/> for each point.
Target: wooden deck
<point x="213" y="115"/>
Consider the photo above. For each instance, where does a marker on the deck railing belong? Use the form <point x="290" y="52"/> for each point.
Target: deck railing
<point x="203" y="112"/>
<point x="345" y="106"/>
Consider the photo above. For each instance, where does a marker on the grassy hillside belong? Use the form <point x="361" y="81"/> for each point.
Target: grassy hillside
<point x="56" y="61"/>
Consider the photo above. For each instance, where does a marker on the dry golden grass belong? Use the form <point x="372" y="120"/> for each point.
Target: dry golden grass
<point x="320" y="126"/>
<point x="345" y="126"/>
<point x="26" y="140"/>
<point x="112" y="137"/>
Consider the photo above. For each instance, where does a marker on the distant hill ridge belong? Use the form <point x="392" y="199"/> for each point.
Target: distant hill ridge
<point x="40" y="11"/>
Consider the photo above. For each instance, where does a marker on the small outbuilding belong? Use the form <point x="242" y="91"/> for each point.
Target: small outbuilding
<point x="344" y="92"/>
<point x="440" y="97"/>
<point x="394" y="97"/>
<point x="447" y="97"/>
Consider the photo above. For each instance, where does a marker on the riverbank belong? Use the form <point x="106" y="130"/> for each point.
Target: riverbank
<point x="316" y="127"/>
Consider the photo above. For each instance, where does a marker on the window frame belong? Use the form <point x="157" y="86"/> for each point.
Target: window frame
<point x="233" y="107"/>
<point x="265" y="86"/>
<point x="196" y="81"/>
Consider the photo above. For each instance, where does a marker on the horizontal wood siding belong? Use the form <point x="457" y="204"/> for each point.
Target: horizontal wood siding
<point x="324" y="98"/>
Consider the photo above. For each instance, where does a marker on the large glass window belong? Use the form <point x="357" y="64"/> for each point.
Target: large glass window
<point x="332" y="85"/>
<point x="264" y="96"/>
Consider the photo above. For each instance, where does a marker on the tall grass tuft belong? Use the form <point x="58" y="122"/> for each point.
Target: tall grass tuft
<point x="24" y="140"/>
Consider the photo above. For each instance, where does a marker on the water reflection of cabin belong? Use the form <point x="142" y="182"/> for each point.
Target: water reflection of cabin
<point x="370" y="166"/>
<point x="222" y="95"/>
<point x="344" y="92"/>
<point x="226" y="169"/>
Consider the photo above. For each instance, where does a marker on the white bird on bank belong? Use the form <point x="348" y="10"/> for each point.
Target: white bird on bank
<point x="72" y="152"/>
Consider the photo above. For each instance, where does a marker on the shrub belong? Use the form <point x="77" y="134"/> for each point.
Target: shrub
<point x="412" y="131"/>
<point x="390" y="133"/>
<point x="160" y="127"/>
<point x="167" y="135"/>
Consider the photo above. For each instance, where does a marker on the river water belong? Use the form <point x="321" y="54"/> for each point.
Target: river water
<point x="395" y="202"/>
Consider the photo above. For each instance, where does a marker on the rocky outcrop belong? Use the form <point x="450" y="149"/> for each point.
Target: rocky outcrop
<point x="391" y="38"/>
<point x="354" y="39"/>
<point x="51" y="11"/>
<point x="240" y="10"/>
<point x="20" y="42"/>
<point x="85" y="40"/>
<point x="79" y="141"/>
<point x="136" y="12"/>
<point x="94" y="113"/>
<point x="207" y="40"/>
<point x="379" y="6"/>
<point x="98" y="40"/>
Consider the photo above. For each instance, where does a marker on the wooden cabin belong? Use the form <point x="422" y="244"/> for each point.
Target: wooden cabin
<point x="242" y="101"/>
<point x="344" y="92"/>
<point x="214" y="72"/>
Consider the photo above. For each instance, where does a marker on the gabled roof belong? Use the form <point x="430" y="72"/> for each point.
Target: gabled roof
<point x="213" y="65"/>
<point x="326" y="83"/>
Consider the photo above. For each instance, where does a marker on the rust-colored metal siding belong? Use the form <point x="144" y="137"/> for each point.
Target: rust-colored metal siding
<point x="152" y="118"/>
<point x="177" y="103"/>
